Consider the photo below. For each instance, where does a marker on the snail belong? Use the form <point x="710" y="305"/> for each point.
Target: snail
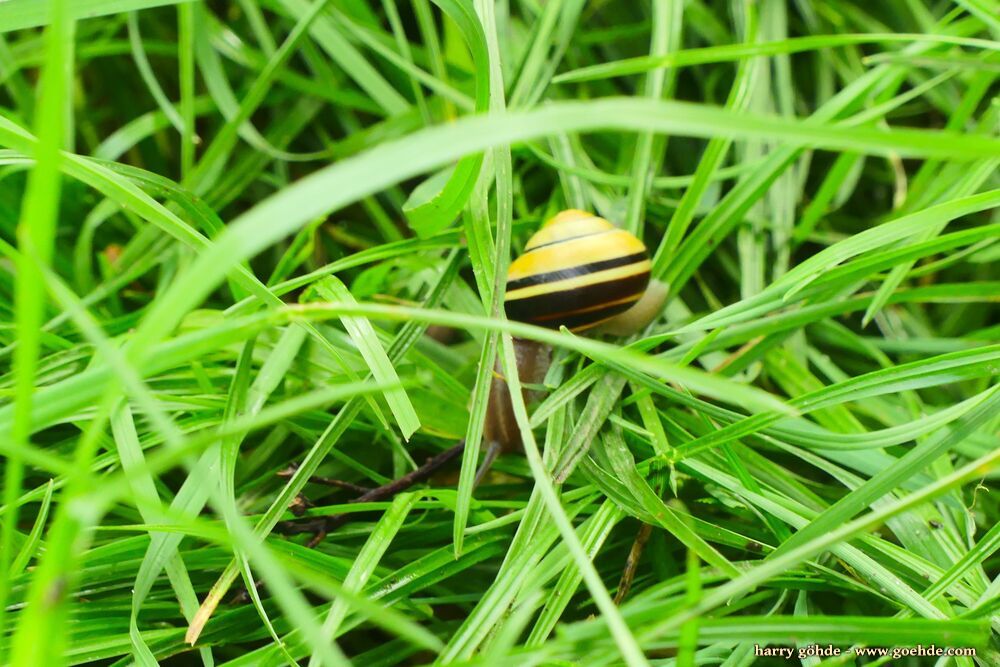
<point x="579" y="271"/>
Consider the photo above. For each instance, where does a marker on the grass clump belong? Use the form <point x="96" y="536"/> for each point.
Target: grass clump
<point x="249" y="247"/>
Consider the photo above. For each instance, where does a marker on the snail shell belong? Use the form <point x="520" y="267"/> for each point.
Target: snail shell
<point x="577" y="271"/>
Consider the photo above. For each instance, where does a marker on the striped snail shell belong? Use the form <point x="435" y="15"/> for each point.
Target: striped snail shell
<point x="577" y="271"/>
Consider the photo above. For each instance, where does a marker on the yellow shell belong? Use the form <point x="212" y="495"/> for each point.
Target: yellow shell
<point x="578" y="271"/>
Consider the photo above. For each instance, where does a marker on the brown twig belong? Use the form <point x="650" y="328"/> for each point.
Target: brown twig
<point x="300" y="505"/>
<point x="321" y="526"/>
<point x="325" y="481"/>
<point x="324" y="524"/>
<point x="632" y="562"/>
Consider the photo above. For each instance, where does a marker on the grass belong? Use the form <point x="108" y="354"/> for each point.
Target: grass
<point x="245" y="235"/>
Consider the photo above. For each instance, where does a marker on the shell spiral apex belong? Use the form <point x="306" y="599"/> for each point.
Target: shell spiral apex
<point x="578" y="270"/>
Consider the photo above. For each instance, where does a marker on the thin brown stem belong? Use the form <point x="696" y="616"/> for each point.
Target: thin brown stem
<point x="632" y="562"/>
<point x="326" y="481"/>
<point x="323" y="525"/>
<point x="492" y="452"/>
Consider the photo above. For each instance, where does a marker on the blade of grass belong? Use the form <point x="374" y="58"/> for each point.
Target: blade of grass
<point x="36" y="235"/>
<point x="363" y="335"/>
<point x="22" y="14"/>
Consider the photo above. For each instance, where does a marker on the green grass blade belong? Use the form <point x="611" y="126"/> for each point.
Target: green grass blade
<point x="363" y="335"/>
<point x="36" y="236"/>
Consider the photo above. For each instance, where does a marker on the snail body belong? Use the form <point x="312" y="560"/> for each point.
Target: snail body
<point x="579" y="271"/>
